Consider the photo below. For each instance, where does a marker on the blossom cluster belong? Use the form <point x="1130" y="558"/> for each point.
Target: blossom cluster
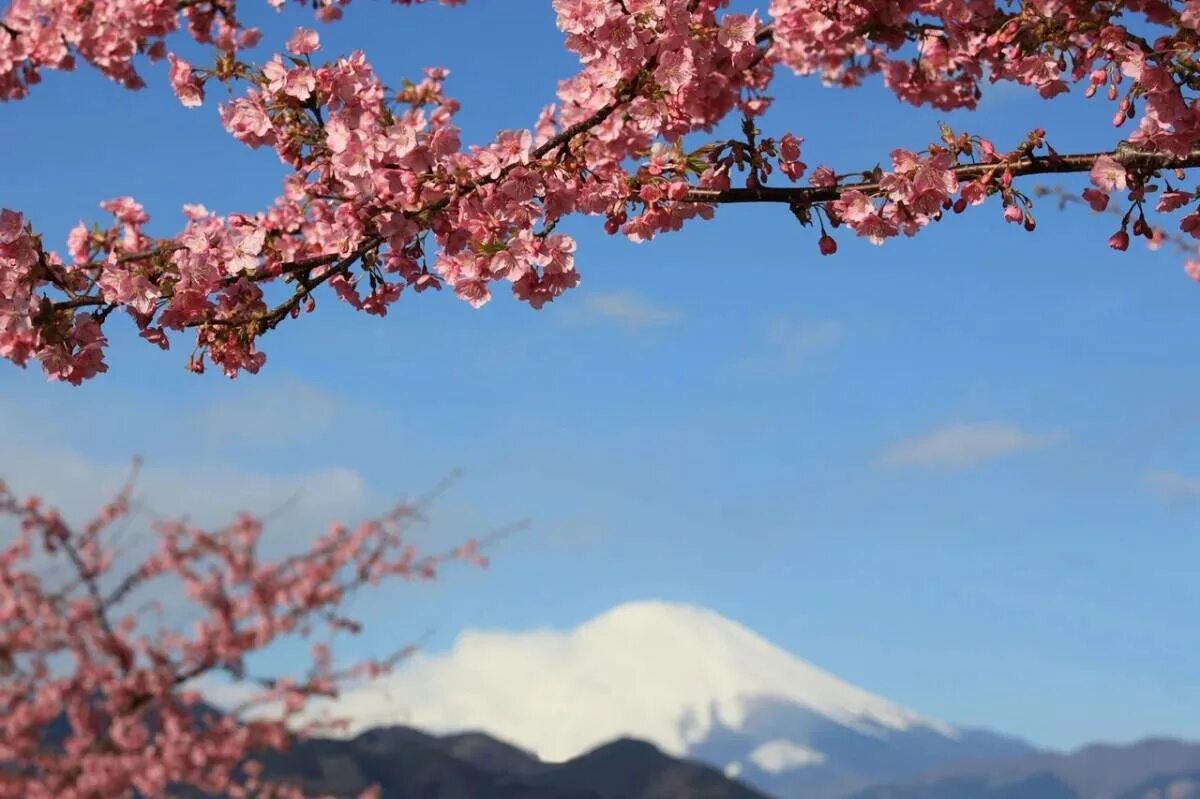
<point x="110" y="35"/>
<point x="99" y="689"/>
<point x="382" y="196"/>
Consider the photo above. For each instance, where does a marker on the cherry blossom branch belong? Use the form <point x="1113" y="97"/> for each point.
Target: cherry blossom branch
<point x="1157" y="236"/>
<point x="382" y="196"/>
<point x="1019" y="167"/>
<point x="119" y="688"/>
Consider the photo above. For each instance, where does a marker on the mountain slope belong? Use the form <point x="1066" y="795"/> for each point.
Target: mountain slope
<point x="408" y="764"/>
<point x="1135" y="771"/>
<point x="1171" y="786"/>
<point x="631" y="768"/>
<point x="686" y="679"/>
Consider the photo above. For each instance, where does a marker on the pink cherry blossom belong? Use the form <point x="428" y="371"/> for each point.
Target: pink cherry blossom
<point x="304" y="42"/>
<point x="1190" y="224"/>
<point x="187" y="86"/>
<point x="1108" y="175"/>
<point x="81" y="656"/>
<point x="1097" y="199"/>
<point x="380" y="193"/>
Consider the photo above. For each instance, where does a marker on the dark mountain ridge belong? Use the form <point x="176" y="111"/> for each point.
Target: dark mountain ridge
<point x="410" y="764"/>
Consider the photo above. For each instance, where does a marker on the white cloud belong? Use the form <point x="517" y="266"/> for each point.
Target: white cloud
<point x="78" y="486"/>
<point x="787" y="345"/>
<point x="1172" y="487"/>
<point x="795" y="341"/>
<point x="270" y="412"/>
<point x="630" y="310"/>
<point x="780" y="755"/>
<point x="40" y="454"/>
<point x="962" y="445"/>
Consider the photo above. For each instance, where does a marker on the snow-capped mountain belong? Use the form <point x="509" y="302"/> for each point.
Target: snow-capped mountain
<point x="684" y="678"/>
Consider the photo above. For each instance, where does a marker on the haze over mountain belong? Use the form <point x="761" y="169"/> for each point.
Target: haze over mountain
<point x="684" y="678"/>
<point x="1155" y="768"/>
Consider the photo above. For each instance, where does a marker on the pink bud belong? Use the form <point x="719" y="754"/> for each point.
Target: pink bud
<point x="1097" y="199"/>
<point x="827" y="245"/>
<point x="1119" y="241"/>
<point x="1013" y="214"/>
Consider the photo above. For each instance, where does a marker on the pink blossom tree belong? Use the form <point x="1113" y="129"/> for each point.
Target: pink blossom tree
<point x="381" y="195"/>
<point x="99" y="690"/>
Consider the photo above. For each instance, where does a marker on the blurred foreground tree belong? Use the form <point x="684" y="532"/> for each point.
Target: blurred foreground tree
<point x="99" y="691"/>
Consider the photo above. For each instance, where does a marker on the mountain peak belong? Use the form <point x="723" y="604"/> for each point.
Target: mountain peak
<point x="719" y="663"/>
<point x="683" y="678"/>
<point x="660" y="613"/>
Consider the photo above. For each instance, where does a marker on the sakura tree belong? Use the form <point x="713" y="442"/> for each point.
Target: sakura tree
<point x="99" y="684"/>
<point x="382" y="196"/>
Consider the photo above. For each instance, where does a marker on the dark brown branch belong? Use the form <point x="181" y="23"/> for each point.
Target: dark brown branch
<point x="1049" y="165"/>
<point x="273" y="317"/>
<point x="88" y="577"/>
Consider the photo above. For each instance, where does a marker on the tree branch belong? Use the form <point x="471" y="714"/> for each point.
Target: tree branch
<point x="1045" y="165"/>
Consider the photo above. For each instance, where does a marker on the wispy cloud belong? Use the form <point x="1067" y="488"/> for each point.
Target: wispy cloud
<point x="1172" y="487"/>
<point x="78" y="482"/>
<point x="274" y="413"/>
<point x="963" y="445"/>
<point x="788" y="344"/>
<point x="630" y="310"/>
<point x="78" y="485"/>
<point x="795" y="341"/>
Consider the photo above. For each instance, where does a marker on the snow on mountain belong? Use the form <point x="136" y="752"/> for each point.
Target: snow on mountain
<point x="684" y="678"/>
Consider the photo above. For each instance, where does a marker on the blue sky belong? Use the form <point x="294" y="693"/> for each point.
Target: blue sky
<point x="959" y="470"/>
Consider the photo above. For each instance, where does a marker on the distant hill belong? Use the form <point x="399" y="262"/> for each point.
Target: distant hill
<point x="1174" y="786"/>
<point x="1155" y="768"/>
<point x="409" y="764"/>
